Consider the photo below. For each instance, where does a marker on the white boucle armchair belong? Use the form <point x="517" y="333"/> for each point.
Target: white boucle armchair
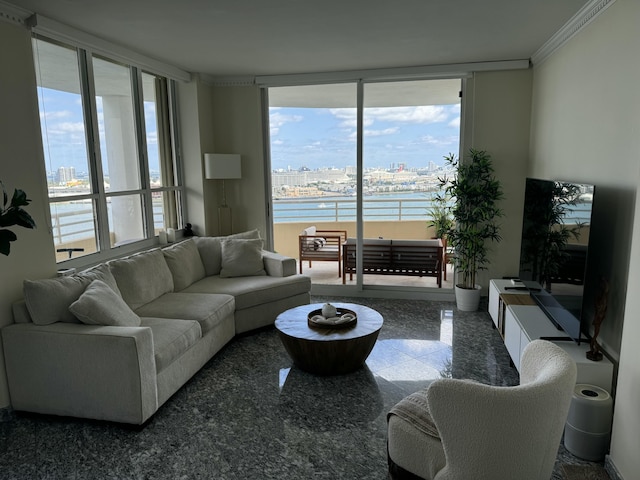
<point x="459" y="429"/>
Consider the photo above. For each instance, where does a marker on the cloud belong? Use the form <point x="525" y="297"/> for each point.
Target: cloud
<point x="421" y="114"/>
<point x="439" y="141"/>
<point x="277" y="120"/>
<point x="416" y="115"/>
<point x="48" y="116"/>
<point x="65" y="128"/>
<point x="152" y="138"/>
<point x="379" y="133"/>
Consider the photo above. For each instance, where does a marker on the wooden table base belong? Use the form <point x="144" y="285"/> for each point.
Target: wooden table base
<point x="328" y="351"/>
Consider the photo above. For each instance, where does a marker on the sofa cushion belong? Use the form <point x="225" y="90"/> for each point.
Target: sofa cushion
<point x="142" y="277"/>
<point x="210" y="249"/>
<point x="171" y="338"/>
<point x="207" y="309"/>
<point x="242" y="258"/>
<point x="100" y="305"/>
<point x="185" y="263"/>
<point x="252" y="291"/>
<point x="48" y="300"/>
<point x="101" y="272"/>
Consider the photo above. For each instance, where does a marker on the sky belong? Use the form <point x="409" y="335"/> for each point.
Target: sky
<point x="325" y="137"/>
<point x="300" y="137"/>
<point x="64" y="136"/>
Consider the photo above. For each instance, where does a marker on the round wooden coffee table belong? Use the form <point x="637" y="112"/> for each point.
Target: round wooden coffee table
<point x="328" y="351"/>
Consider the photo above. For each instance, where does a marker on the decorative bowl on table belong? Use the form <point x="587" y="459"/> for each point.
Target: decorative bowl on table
<point x="344" y="318"/>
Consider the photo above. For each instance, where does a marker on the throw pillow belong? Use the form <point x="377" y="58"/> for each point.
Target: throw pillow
<point x="100" y="272"/>
<point x="319" y="242"/>
<point x="142" y="277"/>
<point x="100" y="305"/>
<point x="185" y="264"/>
<point x="308" y="243"/>
<point x="211" y="250"/>
<point x="242" y="258"/>
<point x="48" y="300"/>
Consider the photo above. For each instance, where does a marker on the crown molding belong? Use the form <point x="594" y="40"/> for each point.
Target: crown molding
<point x="586" y="15"/>
<point x="228" y="81"/>
<point x="12" y="14"/>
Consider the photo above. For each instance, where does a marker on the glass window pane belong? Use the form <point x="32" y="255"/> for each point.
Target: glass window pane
<point x="61" y="119"/>
<point x="409" y="127"/>
<point x="151" y="129"/>
<point x="313" y="161"/>
<point x="164" y="210"/>
<point x="125" y="219"/>
<point x="74" y="231"/>
<point x="118" y="146"/>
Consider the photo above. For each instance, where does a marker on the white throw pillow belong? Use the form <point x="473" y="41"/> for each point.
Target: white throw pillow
<point x="308" y="243"/>
<point x="242" y="258"/>
<point x="100" y="305"/>
<point x="48" y="299"/>
<point x="185" y="264"/>
<point x="210" y="249"/>
<point x="142" y="277"/>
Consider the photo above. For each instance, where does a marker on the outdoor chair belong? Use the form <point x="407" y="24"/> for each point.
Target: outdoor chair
<point x="321" y="246"/>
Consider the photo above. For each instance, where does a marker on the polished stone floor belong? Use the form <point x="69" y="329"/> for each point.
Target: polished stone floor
<point x="250" y="414"/>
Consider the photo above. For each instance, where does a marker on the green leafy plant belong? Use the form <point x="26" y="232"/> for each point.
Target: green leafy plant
<point x="11" y="214"/>
<point x="475" y="193"/>
<point x="441" y="219"/>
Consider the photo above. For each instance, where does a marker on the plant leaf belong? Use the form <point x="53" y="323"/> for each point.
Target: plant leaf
<point x="4" y="196"/>
<point x="6" y="236"/>
<point x="19" y="198"/>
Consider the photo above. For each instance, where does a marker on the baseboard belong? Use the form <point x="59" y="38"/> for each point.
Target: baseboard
<point x="611" y="469"/>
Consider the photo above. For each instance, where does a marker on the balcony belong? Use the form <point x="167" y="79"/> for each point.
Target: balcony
<point x="394" y="218"/>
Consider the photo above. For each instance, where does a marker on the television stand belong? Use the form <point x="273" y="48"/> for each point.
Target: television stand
<point x="519" y="322"/>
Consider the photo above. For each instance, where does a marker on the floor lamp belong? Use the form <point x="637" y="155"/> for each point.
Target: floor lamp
<point x="219" y="166"/>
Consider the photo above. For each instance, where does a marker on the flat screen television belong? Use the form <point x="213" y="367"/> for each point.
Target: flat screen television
<point x="553" y="256"/>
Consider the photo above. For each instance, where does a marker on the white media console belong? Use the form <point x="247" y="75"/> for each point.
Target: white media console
<point x="519" y="321"/>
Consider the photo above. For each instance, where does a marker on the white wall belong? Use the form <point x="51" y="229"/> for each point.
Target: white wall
<point x="196" y="131"/>
<point x="21" y="166"/>
<point x="500" y="113"/>
<point x="237" y="128"/>
<point x="586" y="127"/>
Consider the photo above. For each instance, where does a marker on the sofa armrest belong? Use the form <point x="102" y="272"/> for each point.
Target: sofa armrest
<point x="277" y="265"/>
<point x="99" y="372"/>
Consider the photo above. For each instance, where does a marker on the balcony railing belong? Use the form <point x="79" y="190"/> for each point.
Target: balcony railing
<point x="344" y="210"/>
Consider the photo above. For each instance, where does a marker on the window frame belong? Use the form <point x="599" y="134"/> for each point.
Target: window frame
<point x="98" y="195"/>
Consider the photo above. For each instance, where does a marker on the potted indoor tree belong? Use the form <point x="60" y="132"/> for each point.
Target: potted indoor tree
<point x="475" y="193"/>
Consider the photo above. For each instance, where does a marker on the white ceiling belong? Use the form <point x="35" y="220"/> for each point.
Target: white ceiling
<point x="271" y="37"/>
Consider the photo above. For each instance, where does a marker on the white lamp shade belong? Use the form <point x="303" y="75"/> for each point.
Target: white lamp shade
<point x="222" y="166"/>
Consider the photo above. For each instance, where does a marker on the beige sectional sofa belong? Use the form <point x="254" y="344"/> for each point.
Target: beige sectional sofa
<point x="116" y="341"/>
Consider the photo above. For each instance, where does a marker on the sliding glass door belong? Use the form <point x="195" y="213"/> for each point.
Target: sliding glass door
<point x="313" y="175"/>
<point x="408" y="127"/>
<point x="342" y="166"/>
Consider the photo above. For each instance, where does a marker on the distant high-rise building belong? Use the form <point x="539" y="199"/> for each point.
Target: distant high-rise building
<point x="65" y="174"/>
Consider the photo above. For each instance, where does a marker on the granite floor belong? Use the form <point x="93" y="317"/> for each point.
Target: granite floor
<point x="249" y="414"/>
